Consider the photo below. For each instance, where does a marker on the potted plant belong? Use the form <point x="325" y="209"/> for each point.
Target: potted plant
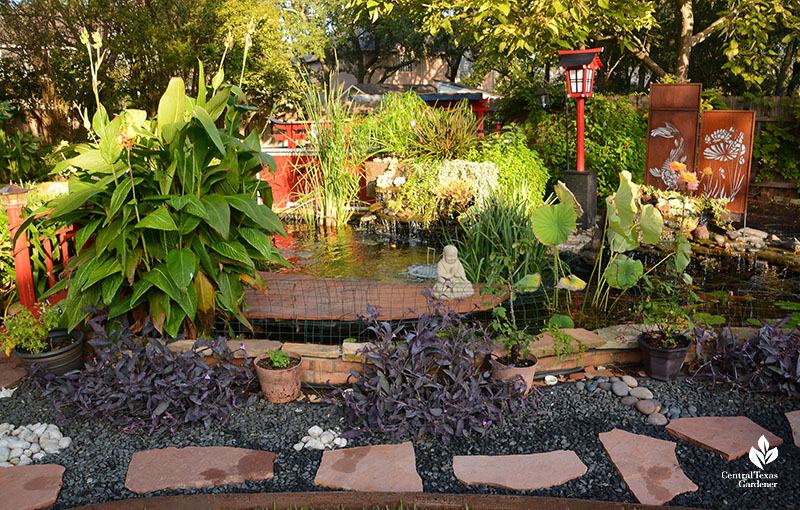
<point x="37" y="339"/>
<point x="667" y="309"/>
<point x="279" y="375"/>
<point x="518" y="360"/>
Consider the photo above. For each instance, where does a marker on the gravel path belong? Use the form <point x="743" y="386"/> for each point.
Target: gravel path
<point x="565" y="418"/>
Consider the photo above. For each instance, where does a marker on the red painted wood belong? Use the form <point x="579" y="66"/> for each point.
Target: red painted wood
<point x="579" y="165"/>
<point x="22" y="259"/>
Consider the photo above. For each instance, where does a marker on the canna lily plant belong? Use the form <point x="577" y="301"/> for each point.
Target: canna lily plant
<point x="172" y="214"/>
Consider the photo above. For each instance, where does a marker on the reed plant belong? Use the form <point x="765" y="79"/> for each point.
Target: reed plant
<point x="497" y="243"/>
<point x="330" y="180"/>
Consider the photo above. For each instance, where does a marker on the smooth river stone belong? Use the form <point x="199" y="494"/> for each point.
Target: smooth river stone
<point x="630" y="381"/>
<point x="642" y="393"/>
<point x="647" y="465"/>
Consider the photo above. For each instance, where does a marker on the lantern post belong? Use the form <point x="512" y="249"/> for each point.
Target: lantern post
<point x="581" y="67"/>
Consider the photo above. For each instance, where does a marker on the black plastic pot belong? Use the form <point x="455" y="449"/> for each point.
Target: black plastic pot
<point x="60" y="361"/>
<point x="663" y="364"/>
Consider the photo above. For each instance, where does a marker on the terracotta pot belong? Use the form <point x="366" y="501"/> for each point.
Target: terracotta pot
<point x="280" y="386"/>
<point x="504" y="372"/>
<point x="663" y="364"/>
<point x="60" y="361"/>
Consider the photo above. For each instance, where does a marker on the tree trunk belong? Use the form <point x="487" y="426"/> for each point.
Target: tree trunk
<point x="783" y="72"/>
<point x="684" y="39"/>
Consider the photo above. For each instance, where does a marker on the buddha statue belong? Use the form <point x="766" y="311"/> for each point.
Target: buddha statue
<point x="451" y="280"/>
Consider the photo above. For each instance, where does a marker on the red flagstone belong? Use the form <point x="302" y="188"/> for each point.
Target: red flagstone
<point x="730" y="436"/>
<point x="519" y="472"/>
<point x="647" y="465"/>
<point x="195" y="466"/>
<point x="380" y="468"/>
<point x="11" y="371"/>
<point x="30" y="487"/>
<point x="794" y="422"/>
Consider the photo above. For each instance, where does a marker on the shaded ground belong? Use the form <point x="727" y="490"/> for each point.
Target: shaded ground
<point x="779" y="218"/>
<point x="565" y="418"/>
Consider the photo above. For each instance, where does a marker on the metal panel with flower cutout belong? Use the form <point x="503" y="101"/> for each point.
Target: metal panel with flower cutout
<point x="726" y="142"/>
<point x="672" y="128"/>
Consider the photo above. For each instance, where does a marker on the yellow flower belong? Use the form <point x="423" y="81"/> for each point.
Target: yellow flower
<point x="707" y="171"/>
<point x="677" y="166"/>
<point x="688" y="177"/>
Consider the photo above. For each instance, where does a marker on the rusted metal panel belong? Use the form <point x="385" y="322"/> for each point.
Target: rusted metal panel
<point x="675" y="96"/>
<point x="726" y="146"/>
<point x="672" y="131"/>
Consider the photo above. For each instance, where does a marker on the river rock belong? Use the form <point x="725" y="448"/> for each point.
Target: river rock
<point x="64" y="442"/>
<point x="630" y="381"/>
<point x="645" y="407"/>
<point x="620" y="389"/>
<point x="5" y="453"/>
<point x="701" y="232"/>
<point x="629" y="400"/>
<point x="605" y="386"/>
<point x="657" y="419"/>
<point x="315" y="431"/>
<point x="642" y="393"/>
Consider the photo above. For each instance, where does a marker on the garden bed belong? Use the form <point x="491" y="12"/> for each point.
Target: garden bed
<point x="565" y="418"/>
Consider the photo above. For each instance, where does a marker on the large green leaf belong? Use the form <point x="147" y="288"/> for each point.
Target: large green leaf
<point x="261" y="214"/>
<point x="626" y="199"/>
<point x="170" y="110"/>
<point x="104" y="270"/>
<point x="565" y="196"/>
<point x="74" y="199"/>
<point x="623" y="273"/>
<point x="139" y="290"/>
<point x="84" y="233"/>
<point x="182" y="265"/>
<point x="652" y="224"/>
<point x="683" y="253"/>
<point x="110" y="148"/>
<point x="187" y="223"/>
<point x="109" y="288"/>
<point x="216" y="105"/>
<point x="201" y="84"/>
<point x="208" y="124"/>
<point x="159" y="219"/>
<point x="262" y="243"/>
<point x="91" y="160"/>
<point x="200" y="251"/>
<point x="118" y="198"/>
<point x="160" y="277"/>
<point x="232" y="250"/>
<point x="218" y="214"/>
<point x="191" y="203"/>
<point x="230" y="292"/>
<point x="620" y="243"/>
<point x="552" y="224"/>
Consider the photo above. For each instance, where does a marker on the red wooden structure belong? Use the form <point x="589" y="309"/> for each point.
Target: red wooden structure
<point x="13" y="198"/>
<point x="581" y="67"/>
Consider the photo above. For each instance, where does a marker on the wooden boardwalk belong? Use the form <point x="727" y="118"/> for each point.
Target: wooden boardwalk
<point x="299" y="296"/>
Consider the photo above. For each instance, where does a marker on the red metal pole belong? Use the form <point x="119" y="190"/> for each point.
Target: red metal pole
<point x="579" y="162"/>
<point x="22" y="259"/>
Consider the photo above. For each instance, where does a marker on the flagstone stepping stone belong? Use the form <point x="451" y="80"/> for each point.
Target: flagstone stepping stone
<point x="29" y="487"/>
<point x="647" y="465"/>
<point x="379" y="468"/>
<point x="730" y="436"/>
<point x="519" y="472"/>
<point x="794" y="422"/>
<point x="196" y="466"/>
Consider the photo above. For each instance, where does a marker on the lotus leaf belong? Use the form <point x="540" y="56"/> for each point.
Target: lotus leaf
<point x="565" y="196"/>
<point x="651" y="223"/>
<point x="561" y="321"/>
<point x="552" y="224"/>
<point x="530" y="282"/>
<point x="623" y="273"/>
<point x="571" y="282"/>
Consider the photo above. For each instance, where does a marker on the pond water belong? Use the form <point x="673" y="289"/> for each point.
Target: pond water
<point x="736" y="288"/>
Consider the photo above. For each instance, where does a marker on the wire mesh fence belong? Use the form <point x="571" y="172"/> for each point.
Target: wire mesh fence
<point x="308" y="309"/>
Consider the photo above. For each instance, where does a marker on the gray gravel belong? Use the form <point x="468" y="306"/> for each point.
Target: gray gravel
<point x="564" y="419"/>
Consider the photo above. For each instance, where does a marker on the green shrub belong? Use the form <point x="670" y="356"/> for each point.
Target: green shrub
<point x="776" y="149"/>
<point x="517" y="165"/>
<point x="615" y="140"/>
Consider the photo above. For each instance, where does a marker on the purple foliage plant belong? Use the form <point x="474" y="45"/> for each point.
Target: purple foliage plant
<point x="429" y="379"/>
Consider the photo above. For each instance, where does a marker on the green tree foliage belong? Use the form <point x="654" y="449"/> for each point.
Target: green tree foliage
<point x="616" y="140"/>
<point x="146" y="43"/>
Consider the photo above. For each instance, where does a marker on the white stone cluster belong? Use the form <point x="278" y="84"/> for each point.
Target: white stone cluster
<point x="21" y="446"/>
<point x="7" y="392"/>
<point x="318" y="439"/>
